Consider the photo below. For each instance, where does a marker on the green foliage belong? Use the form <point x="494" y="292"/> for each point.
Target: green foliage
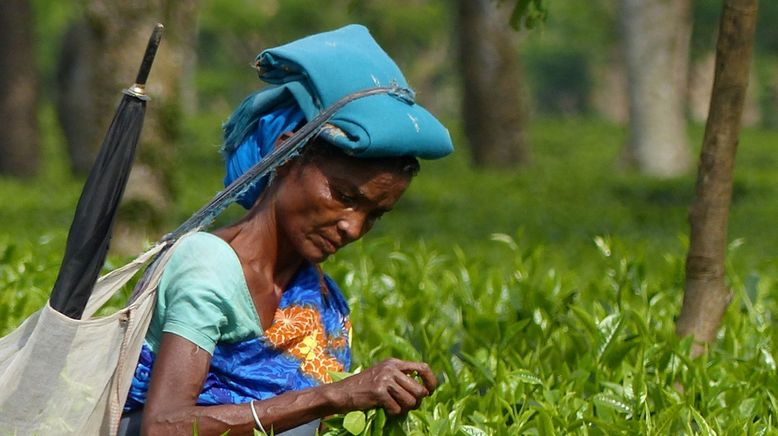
<point x="528" y="13"/>
<point x="521" y="348"/>
<point x="51" y="19"/>
<point x="562" y="79"/>
<point x="562" y="58"/>
<point x="544" y="300"/>
<point x="24" y="279"/>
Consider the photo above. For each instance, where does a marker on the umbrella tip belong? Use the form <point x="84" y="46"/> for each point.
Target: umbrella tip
<point x="148" y="59"/>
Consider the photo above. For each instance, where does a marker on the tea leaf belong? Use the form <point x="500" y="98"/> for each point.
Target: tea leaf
<point x="526" y="376"/>
<point x="612" y="403"/>
<point x="354" y="422"/>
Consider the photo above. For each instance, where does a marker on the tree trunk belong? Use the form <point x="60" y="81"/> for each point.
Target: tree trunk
<point x="707" y="296"/>
<point x="19" y="141"/>
<point x="656" y="42"/>
<point x="81" y="115"/>
<point x="491" y="78"/>
<point x="609" y="93"/>
<point x="701" y="85"/>
<point x="108" y="50"/>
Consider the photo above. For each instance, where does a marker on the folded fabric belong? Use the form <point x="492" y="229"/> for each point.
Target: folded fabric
<point x="318" y="70"/>
<point x="258" y="145"/>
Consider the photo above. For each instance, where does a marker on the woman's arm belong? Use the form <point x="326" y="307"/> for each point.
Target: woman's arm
<point x="181" y="367"/>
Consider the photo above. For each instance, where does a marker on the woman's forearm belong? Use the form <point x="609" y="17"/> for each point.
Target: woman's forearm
<point x="279" y="413"/>
<point x="169" y="407"/>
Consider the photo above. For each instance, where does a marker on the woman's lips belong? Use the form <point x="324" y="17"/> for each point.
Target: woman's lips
<point x="328" y="246"/>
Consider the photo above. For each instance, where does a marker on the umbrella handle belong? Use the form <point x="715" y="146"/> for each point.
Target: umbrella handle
<point x="139" y="88"/>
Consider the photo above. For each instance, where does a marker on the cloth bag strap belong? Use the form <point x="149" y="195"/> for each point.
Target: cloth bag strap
<point x="109" y="284"/>
<point x="139" y="312"/>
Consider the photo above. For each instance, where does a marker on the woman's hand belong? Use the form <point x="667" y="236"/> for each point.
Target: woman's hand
<point x="390" y="384"/>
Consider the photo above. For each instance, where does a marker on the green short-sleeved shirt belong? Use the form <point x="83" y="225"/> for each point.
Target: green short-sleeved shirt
<point x="203" y="296"/>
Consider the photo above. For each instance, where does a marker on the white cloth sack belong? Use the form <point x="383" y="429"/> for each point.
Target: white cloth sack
<point x="64" y="376"/>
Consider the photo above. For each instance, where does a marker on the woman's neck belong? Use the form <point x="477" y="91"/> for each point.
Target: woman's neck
<point x="267" y="259"/>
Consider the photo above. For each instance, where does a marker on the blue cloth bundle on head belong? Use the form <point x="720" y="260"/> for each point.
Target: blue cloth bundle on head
<point x="312" y="73"/>
<point x="258" y="145"/>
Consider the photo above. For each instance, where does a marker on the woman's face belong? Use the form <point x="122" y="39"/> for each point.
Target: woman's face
<point x="325" y="204"/>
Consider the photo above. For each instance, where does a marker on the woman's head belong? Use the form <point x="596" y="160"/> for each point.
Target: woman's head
<point x="330" y="197"/>
<point x="326" y="199"/>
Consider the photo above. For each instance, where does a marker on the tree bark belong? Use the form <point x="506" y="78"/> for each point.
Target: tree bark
<point x="701" y="85"/>
<point x="108" y="50"/>
<point x="707" y="296"/>
<point x="81" y="115"/>
<point x="656" y="43"/>
<point x="491" y="78"/>
<point x="19" y="141"/>
<point x="609" y="93"/>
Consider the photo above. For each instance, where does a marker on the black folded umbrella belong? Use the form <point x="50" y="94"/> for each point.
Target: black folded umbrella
<point x="90" y="232"/>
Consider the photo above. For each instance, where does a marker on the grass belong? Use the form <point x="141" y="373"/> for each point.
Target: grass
<point x="544" y="297"/>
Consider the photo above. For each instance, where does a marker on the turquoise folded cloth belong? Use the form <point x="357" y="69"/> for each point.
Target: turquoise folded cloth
<point x="316" y="71"/>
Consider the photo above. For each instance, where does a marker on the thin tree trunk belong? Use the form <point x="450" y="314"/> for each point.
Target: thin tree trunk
<point x="656" y="43"/>
<point x="491" y="78"/>
<point x="707" y="296"/>
<point x="19" y="139"/>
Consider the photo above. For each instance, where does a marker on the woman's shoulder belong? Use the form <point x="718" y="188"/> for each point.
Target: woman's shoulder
<point x="204" y="257"/>
<point x="202" y="295"/>
<point x="203" y="245"/>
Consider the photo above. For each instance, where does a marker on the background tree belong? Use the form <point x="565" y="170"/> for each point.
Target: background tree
<point x="707" y="296"/>
<point x="572" y="63"/>
<point x="656" y="49"/>
<point x="19" y="140"/>
<point x="492" y="110"/>
<point x="97" y="62"/>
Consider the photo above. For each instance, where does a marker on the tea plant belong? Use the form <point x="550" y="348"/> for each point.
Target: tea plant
<point x="561" y="324"/>
<point x="521" y="348"/>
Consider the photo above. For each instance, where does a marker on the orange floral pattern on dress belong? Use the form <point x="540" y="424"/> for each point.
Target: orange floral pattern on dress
<point x="299" y="331"/>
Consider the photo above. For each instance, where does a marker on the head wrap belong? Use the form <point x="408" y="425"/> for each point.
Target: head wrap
<point x="256" y="146"/>
<point x="314" y="72"/>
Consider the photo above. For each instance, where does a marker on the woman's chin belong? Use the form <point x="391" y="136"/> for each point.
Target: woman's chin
<point x="318" y="250"/>
<point x="315" y="254"/>
<point x="321" y="257"/>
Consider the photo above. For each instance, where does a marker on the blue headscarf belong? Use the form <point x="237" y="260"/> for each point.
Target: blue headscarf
<point x="309" y="75"/>
<point x="258" y="145"/>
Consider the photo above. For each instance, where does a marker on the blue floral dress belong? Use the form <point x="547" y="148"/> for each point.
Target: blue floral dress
<point x="308" y="338"/>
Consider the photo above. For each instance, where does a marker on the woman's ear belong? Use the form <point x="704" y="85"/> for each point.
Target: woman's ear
<point x="282" y="169"/>
<point x="281" y="138"/>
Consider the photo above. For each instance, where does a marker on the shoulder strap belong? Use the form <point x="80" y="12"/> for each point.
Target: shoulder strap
<point x="107" y="285"/>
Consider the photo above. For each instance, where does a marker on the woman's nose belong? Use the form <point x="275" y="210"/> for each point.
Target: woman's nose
<point x="352" y="225"/>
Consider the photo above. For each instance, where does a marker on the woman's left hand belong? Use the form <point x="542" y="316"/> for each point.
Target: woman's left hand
<point x="389" y="384"/>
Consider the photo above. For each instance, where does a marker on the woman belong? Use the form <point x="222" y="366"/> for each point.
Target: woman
<point x="247" y="329"/>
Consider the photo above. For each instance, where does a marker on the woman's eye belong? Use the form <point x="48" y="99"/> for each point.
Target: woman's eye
<point x="346" y="199"/>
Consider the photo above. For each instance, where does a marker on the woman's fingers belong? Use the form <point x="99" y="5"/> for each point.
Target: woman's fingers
<point x="422" y="370"/>
<point x="389" y="403"/>
<point x="403" y="398"/>
<point x="406" y="391"/>
<point x="415" y="388"/>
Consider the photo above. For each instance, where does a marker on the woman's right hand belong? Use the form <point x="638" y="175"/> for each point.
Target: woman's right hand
<point x="390" y="384"/>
